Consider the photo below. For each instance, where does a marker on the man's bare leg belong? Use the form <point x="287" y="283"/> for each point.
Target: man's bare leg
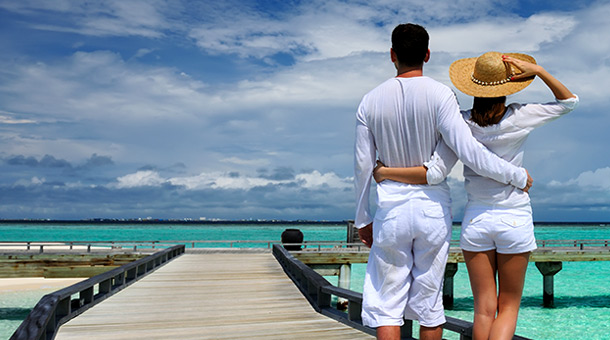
<point x="388" y="333"/>
<point x="430" y="333"/>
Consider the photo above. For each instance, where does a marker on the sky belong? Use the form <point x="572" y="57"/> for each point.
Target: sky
<point x="175" y="109"/>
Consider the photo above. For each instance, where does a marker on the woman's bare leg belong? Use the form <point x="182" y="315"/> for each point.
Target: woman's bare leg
<point x="511" y="278"/>
<point x="482" y="272"/>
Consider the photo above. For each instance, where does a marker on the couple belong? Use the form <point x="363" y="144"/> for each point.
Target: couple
<point x="413" y="126"/>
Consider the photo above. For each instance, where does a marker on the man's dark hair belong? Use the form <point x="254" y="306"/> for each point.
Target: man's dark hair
<point x="410" y="43"/>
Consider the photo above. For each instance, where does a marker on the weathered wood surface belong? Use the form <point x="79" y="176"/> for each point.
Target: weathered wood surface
<point x="345" y="255"/>
<point x="54" y="265"/>
<point x="554" y="254"/>
<point x="209" y="296"/>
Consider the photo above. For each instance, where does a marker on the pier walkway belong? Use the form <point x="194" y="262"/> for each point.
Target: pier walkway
<point x="209" y="296"/>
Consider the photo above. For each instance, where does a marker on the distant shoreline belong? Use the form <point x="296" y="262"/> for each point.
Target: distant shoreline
<point x="236" y="222"/>
<point x="167" y="221"/>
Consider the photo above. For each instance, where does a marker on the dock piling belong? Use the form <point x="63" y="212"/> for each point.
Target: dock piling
<point x="345" y="273"/>
<point x="548" y="271"/>
<point x="450" y="271"/>
<point x="344" y="280"/>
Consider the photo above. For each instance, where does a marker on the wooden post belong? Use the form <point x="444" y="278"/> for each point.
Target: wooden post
<point x="63" y="308"/>
<point x="450" y="271"/>
<point x="406" y="330"/>
<point x="352" y="233"/>
<point x="86" y="296"/>
<point x="323" y="299"/>
<point x="345" y="274"/>
<point x="354" y="311"/>
<point x="548" y="270"/>
<point x="344" y="281"/>
<point x="105" y="287"/>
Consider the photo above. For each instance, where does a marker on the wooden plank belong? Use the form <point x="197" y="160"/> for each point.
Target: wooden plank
<point x="58" y="265"/>
<point x="75" y="271"/>
<point x="331" y="257"/>
<point x="209" y="296"/>
<point x="547" y="254"/>
<point x="569" y="255"/>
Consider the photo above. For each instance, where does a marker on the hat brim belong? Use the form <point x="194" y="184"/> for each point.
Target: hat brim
<point x="461" y="71"/>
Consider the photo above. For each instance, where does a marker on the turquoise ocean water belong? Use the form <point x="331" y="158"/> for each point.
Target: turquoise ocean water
<point x="582" y="289"/>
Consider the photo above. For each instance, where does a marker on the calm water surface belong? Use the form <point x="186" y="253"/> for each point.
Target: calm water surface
<point x="582" y="291"/>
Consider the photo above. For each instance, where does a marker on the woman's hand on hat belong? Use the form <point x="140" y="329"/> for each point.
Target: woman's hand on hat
<point x="527" y="69"/>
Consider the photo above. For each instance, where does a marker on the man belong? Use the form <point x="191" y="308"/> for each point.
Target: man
<point x="400" y="122"/>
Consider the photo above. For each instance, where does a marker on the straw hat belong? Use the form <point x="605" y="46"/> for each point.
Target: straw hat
<point x="488" y="76"/>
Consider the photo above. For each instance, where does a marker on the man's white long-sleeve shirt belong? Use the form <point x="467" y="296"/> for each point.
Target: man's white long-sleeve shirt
<point x="401" y="121"/>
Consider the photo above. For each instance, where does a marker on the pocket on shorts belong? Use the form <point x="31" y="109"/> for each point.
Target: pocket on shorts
<point x="384" y="227"/>
<point x="438" y="218"/>
<point x="473" y="221"/>
<point x="437" y="212"/>
<point x="517" y="221"/>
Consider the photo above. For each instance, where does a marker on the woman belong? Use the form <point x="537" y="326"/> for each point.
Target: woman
<point x="497" y="234"/>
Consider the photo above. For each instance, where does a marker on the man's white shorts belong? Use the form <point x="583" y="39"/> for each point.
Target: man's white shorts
<point x="507" y="230"/>
<point x="406" y="265"/>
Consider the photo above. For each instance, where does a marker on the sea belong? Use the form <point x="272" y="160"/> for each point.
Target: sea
<point x="582" y="289"/>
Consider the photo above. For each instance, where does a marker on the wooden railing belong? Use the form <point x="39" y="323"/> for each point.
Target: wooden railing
<point x="319" y="292"/>
<point x="59" y="307"/>
<point x="41" y="246"/>
<point x="580" y="244"/>
<point x="89" y="246"/>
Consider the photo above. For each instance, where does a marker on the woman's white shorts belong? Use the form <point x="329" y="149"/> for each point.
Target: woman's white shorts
<point x="406" y="266"/>
<point x="507" y="230"/>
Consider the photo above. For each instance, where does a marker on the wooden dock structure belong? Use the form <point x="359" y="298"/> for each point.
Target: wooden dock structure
<point x="241" y="293"/>
<point x="548" y="259"/>
<point x="209" y="296"/>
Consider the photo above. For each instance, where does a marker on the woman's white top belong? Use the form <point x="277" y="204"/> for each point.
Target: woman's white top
<point x="507" y="140"/>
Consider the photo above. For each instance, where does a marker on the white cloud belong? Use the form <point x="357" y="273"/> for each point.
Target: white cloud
<point x="259" y="110"/>
<point x="140" y="179"/>
<point x="457" y="172"/>
<point x="316" y="179"/>
<point x="325" y="29"/>
<point x="249" y="162"/>
<point x="513" y="34"/>
<point x="142" y="52"/>
<point x="101" y="85"/>
<point x="104" y="18"/>
<point x="34" y="181"/>
<point x="232" y="181"/>
<point x="7" y="118"/>
<point x="598" y="180"/>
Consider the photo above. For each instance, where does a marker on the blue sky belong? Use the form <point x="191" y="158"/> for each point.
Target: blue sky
<point x="245" y="109"/>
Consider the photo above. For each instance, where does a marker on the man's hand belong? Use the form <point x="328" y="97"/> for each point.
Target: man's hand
<point x="366" y="234"/>
<point x="529" y="183"/>
<point x="377" y="172"/>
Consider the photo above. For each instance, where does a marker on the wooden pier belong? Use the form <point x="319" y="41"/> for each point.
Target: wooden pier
<point x="209" y="296"/>
<point x="245" y="293"/>
<point x="548" y="258"/>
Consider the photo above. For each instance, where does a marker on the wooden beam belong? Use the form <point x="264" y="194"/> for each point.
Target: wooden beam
<point x="61" y="265"/>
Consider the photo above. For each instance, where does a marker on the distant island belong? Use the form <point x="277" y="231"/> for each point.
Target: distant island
<point x="168" y="221"/>
<point x="204" y="221"/>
